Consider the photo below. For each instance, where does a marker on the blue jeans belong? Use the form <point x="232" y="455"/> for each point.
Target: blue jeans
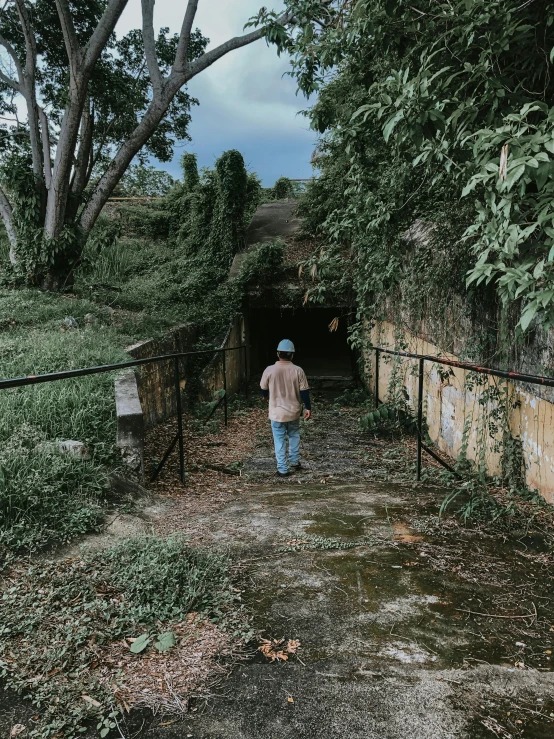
<point x="280" y="432"/>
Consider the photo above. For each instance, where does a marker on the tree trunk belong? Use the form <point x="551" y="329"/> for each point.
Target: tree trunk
<point x="120" y="163"/>
<point x="59" y="189"/>
<point x="6" y="214"/>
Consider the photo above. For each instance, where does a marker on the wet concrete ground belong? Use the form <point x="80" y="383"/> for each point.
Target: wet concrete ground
<point x="385" y="651"/>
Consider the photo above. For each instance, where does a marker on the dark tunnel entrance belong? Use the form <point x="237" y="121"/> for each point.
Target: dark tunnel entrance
<point x="320" y="352"/>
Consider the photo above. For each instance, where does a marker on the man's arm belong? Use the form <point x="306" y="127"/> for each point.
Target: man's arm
<point x="305" y="394"/>
<point x="264" y="385"/>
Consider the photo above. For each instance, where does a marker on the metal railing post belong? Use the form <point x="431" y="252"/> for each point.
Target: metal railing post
<point x="179" y="422"/>
<point x="225" y="408"/>
<point x="420" y="417"/>
<point x="377" y="353"/>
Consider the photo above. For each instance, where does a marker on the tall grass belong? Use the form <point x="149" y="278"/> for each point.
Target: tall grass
<point x="46" y="497"/>
<point x="110" y="265"/>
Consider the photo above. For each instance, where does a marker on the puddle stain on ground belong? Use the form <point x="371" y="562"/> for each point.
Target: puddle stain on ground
<point x="385" y="602"/>
<point x="386" y="625"/>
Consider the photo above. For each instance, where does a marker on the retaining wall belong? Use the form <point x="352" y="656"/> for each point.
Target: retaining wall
<point x="156" y="381"/>
<point x="450" y="406"/>
<point x="236" y="363"/>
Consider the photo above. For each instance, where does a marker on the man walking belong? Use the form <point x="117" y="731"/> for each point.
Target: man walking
<point x="286" y="386"/>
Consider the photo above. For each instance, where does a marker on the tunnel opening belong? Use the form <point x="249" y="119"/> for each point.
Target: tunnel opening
<point x="322" y="353"/>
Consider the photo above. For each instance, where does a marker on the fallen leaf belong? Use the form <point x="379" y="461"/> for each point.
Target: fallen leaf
<point x="278" y="649"/>
<point x="90" y="700"/>
<point x="140" y="643"/>
<point x="17" y="729"/>
<point x="165" y="641"/>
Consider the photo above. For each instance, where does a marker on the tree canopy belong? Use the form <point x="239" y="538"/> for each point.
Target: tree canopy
<point x="442" y="112"/>
<point x="93" y="103"/>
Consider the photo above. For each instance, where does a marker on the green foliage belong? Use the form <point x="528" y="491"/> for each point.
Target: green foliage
<point x="144" y="180"/>
<point x="262" y="263"/>
<point x="46" y="497"/>
<point x="426" y="100"/>
<point x="17" y="179"/>
<point x="208" y="215"/>
<point x="283" y="188"/>
<point x="165" y="578"/>
<point x="144" y="221"/>
<point x="392" y="415"/>
<point x="56" y="616"/>
<point x="189" y="164"/>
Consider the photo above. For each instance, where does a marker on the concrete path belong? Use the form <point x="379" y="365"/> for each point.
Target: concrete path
<point x="409" y="628"/>
<point x="357" y="568"/>
<point x="271" y="221"/>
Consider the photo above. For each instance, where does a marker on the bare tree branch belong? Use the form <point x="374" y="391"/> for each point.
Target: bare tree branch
<point x="83" y="155"/>
<point x="11" y="51"/>
<point x="11" y="83"/>
<point x="71" y="122"/>
<point x="45" y="147"/>
<point x="207" y="59"/>
<point x="149" y="40"/>
<point x="69" y="35"/>
<point x="6" y="214"/>
<point x="152" y="118"/>
<point x="121" y="161"/>
<point x="29" y="88"/>
<point x="182" y="48"/>
<point x="102" y="33"/>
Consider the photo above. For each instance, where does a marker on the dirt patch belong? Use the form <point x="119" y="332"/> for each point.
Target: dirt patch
<point x="404" y="534"/>
<point x="167" y="681"/>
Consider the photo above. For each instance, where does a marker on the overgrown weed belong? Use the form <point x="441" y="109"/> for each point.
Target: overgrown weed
<point x="58" y="621"/>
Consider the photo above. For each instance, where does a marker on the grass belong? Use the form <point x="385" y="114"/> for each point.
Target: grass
<point x="129" y="286"/>
<point x="60" y="621"/>
<point x="47" y="498"/>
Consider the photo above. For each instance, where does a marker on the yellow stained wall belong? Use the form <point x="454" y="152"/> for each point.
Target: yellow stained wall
<point x="449" y="407"/>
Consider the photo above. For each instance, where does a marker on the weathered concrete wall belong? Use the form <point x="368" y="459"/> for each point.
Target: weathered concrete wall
<point x="130" y="422"/>
<point x="450" y="406"/>
<point x="156" y="381"/>
<point x="236" y="363"/>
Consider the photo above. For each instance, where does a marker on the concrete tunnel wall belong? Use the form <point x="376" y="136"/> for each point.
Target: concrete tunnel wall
<point x="450" y="407"/>
<point x="146" y="396"/>
<point x="319" y="351"/>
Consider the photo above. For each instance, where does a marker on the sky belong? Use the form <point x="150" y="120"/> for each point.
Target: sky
<point x="246" y="102"/>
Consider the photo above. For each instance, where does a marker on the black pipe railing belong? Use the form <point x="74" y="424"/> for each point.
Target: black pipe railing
<point x="422" y="358"/>
<point x="85" y="371"/>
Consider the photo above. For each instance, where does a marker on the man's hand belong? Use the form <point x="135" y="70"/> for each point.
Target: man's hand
<point x="307" y="414"/>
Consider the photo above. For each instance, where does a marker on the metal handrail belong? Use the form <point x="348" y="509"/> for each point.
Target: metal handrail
<point x="422" y="358"/>
<point x="13" y="382"/>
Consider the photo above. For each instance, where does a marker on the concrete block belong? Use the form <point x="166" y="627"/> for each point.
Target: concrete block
<point x="130" y="422"/>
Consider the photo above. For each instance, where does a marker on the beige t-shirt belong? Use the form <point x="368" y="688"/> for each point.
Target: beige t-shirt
<point x="284" y="380"/>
